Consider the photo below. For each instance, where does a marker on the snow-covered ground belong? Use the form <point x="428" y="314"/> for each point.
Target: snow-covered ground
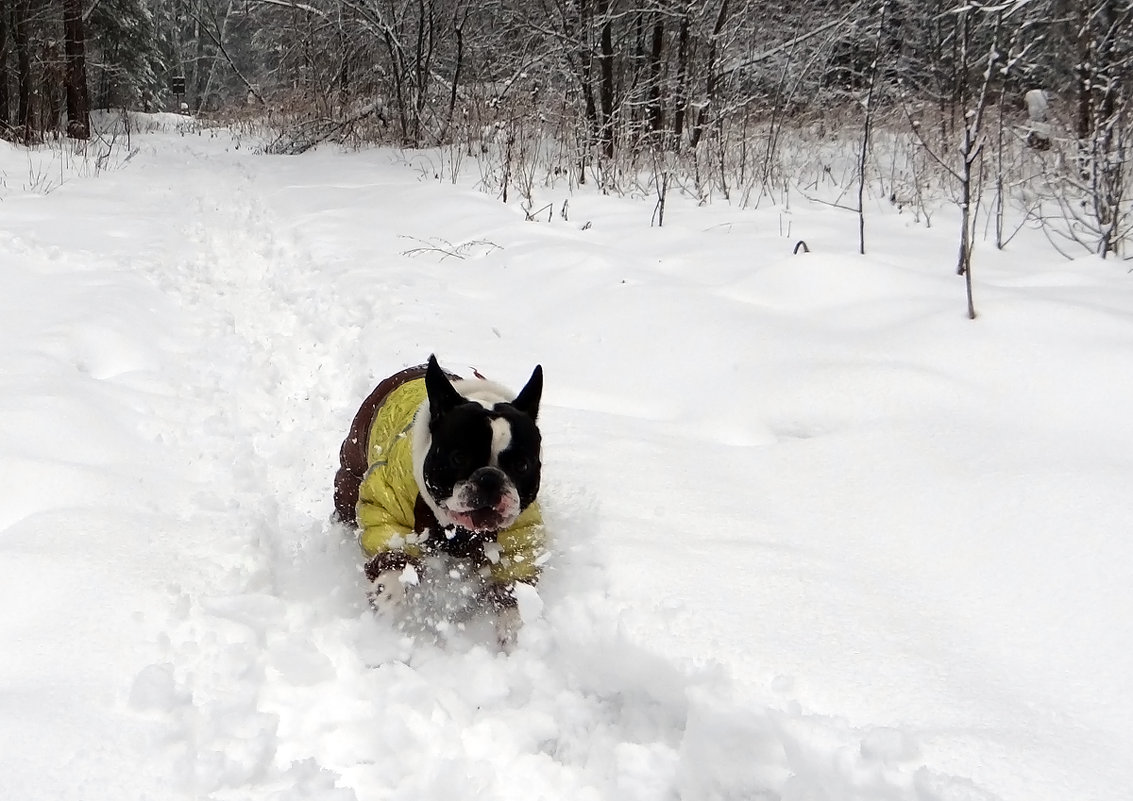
<point x="817" y="536"/>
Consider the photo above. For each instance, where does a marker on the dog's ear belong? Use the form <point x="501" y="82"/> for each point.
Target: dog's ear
<point x="527" y="401"/>
<point x="443" y="397"/>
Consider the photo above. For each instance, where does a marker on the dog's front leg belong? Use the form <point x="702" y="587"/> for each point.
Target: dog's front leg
<point x="508" y="623"/>
<point x="501" y="599"/>
<point x="390" y="574"/>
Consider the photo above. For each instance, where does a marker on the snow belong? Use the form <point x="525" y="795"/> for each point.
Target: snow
<point x="816" y="534"/>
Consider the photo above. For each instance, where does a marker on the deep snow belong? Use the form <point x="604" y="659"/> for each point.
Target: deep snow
<point x="817" y="535"/>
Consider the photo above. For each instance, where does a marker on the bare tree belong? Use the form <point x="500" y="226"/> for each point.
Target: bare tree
<point x="972" y="143"/>
<point x="5" y="100"/>
<point x="74" y="46"/>
<point x="1103" y="121"/>
<point x="867" y="123"/>
<point x="21" y="37"/>
<point x="972" y="103"/>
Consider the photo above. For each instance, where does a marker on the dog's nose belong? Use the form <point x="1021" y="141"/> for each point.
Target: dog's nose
<point x="489" y="482"/>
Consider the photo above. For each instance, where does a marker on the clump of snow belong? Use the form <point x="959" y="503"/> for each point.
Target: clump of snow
<point x="815" y="534"/>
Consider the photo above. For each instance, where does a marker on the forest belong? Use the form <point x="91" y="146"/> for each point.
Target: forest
<point x="1021" y="105"/>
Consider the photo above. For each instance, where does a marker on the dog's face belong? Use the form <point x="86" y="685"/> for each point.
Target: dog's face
<point x="477" y="456"/>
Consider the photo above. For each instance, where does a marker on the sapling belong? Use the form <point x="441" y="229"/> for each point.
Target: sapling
<point x="867" y="123"/>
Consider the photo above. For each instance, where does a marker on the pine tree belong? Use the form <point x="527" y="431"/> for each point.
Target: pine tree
<point x="127" y="67"/>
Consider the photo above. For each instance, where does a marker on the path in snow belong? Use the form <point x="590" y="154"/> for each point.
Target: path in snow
<point x="277" y="676"/>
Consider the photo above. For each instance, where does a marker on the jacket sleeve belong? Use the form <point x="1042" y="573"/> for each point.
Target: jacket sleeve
<point x="521" y="546"/>
<point x="385" y="525"/>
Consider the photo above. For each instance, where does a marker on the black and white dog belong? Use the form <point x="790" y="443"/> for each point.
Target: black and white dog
<point x="436" y="466"/>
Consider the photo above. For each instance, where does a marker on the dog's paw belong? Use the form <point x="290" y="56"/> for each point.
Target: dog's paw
<point x="387" y="591"/>
<point x="500" y="598"/>
<point x="390" y="577"/>
<point x="508" y="623"/>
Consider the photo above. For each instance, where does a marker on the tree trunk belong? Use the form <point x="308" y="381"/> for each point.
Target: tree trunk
<point x="200" y="73"/>
<point x="21" y="38"/>
<point x="422" y="60"/>
<point x="712" y="88"/>
<point x="397" y="74"/>
<point x="606" y="79"/>
<point x="5" y="112"/>
<point x="75" y="77"/>
<point x="1083" y="71"/>
<point x="867" y="123"/>
<point x="654" y="113"/>
<point x="680" y="101"/>
<point x="458" y="65"/>
<point x="1108" y="133"/>
<point x="343" y="73"/>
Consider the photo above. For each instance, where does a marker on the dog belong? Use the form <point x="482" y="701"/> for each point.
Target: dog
<point x="438" y="466"/>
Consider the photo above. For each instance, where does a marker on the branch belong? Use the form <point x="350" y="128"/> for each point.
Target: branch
<point x="766" y="54"/>
<point x="446" y="249"/>
<point x="293" y="6"/>
<point x="295" y="145"/>
<point x="915" y="126"/>
<point x="89" y="11"/>
<point x="217" y="40"/>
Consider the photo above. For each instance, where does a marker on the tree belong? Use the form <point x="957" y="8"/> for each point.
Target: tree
<point x="21" y="38"/>
<point x="125" y="62"/>
<point x="976" y="45"/>
<point x="882" y="12"/>
<point x="5" y="100"/>
<point x="74" y="47"/>
<point x="1105" y="52"/>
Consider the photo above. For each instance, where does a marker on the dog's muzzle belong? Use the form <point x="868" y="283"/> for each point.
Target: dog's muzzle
<point x="487" y="501"/>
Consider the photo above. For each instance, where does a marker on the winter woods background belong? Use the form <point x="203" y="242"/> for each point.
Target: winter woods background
<point x="1017" y="111"/>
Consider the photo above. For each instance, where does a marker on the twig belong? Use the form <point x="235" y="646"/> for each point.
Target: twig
<point x="531" y="214"/>
<point x="447" y="249"/>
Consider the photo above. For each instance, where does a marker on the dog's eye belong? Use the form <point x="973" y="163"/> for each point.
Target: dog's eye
<point x="458" y="460"/>
<point x="521" y="466"/>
